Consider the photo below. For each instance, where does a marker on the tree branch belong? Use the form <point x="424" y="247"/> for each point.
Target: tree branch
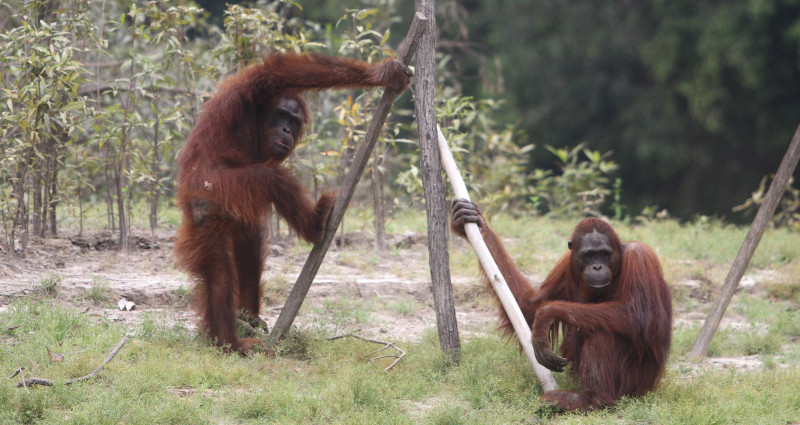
<point x="386" y="345"/>
<point x="27" y="291"/>
<point x="47" y="382"/>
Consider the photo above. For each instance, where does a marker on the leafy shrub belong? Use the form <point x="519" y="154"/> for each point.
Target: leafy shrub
<point x="579" y="188"/>
<point x="492" y="163"/>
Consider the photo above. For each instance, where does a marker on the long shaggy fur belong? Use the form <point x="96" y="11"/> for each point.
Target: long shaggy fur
<point x="617" y="342"/>
<point x="228" y="179"/>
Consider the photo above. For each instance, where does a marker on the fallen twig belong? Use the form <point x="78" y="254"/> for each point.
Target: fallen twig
<point x="35" y="381"/>
<point x="386" y="344"/>
<point x="28" y="291"/>
<point x="11" y="328"/>
<point x="22" y="376"/>
<point x="17" y="372"/>
<point x="47" y="382"/>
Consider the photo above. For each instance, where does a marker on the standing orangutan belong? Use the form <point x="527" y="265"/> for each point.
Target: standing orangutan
<point x="609" y="300"/>
<point x="230" y="173"/>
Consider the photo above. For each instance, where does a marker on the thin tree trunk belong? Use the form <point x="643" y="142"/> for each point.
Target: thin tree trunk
<point x="20" y="215"/>
<point x="53" y="204"/>
<point x="435" y="191"/>
<point x="154" y="194"/>
<point x="344" y="164"/>
<point x="7" y="223"/>
<point x="378" y="202"/>
<point x="121" y="166"/>
<point x="24" y="183"/>
<point x="37" y="195"/>
<point x="46" y="172"/>
<point x="80" y="205"/>
<point x="123" y="234"/>
<point x="50" y="187"/>
<point x="111" y="221"/>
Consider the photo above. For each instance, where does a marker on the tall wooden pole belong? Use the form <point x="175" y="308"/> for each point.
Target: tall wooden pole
<point x="763" y="216"/>
<point x="435" y="193"/>
<point x="300" y="289"/>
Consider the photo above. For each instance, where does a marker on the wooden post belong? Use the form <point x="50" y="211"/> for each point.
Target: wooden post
<point x="499" y="284"/>
<point x="300" y="289"/>
<point x="763" y="216"/>
<point x="435" y="194"/>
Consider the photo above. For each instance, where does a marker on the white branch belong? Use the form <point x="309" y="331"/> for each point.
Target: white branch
<point x="499" y="284"/>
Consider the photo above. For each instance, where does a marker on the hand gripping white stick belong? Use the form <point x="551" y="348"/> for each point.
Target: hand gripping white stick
<point x="492" y="271"/>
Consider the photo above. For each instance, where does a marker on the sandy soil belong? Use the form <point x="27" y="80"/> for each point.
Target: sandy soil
<point x="392" y="290"/>
<point x="146" y="276"/>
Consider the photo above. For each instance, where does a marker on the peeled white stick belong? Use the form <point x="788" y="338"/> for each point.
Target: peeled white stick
<point x="493" y="272"/>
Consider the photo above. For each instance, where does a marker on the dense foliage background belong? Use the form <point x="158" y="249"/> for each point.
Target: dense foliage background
<point x="622" y="108"/>
<point x="697" y="100"/>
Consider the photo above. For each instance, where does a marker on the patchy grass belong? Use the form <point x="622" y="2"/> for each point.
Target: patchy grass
<point x="405" y="306"/>
<point x="276" y="288"/>
<point x="98" y="292"/>
<point x="343" y="313"/>
<point x="167" y="374"/>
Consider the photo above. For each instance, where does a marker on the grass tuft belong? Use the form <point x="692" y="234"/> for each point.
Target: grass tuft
<point x="99" y="292"/>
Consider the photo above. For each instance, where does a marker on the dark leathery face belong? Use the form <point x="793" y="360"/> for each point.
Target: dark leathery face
<point x="594" y="260"/>
<point x="283" y="127"/>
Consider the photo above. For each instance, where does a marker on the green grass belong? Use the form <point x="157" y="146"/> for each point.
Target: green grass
<point x="167" y="375"/>
<point x="341" y="314"/>
<point x="405" y="306"/>
<point x="99" y="292"/>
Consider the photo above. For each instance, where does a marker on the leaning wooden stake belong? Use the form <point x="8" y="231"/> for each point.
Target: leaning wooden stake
<point x="314" y="261"/>
<point x="493" y="272"/>
<point x="764" y="215"/>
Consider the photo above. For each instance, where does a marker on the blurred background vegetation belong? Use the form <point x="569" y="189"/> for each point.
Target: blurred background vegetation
<point x="697" y="100"/>
<point x="633" y="110"/>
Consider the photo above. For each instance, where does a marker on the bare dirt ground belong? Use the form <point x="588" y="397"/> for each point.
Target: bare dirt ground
<point x="394" y="286"/>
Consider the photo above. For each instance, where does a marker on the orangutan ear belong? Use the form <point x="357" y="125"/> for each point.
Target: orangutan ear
<point x="569" y="245"/>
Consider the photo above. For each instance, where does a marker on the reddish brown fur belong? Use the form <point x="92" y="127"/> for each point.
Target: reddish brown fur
<point x="228" y="178"/>
<point x="617" y="342"/>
